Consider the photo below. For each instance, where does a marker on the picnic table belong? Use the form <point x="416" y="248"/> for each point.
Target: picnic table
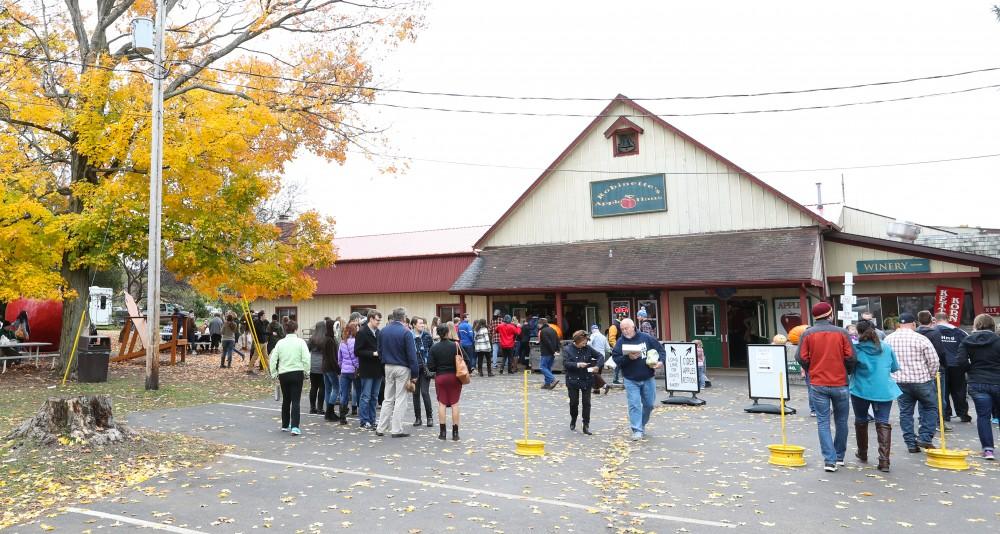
<point x="33" y="349"/>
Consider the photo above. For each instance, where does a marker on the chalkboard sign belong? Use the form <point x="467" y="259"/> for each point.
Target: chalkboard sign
<point x="681" y="370"/>
<point x="765" y="363"/>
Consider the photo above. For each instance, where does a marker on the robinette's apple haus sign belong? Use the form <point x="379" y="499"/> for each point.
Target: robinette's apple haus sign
<point x="624" y="196"/>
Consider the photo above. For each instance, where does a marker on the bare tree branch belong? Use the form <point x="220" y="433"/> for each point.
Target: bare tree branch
<point x="76" y="17"/>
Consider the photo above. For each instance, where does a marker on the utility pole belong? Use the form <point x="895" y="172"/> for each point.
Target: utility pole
<point x="155" y="205"/>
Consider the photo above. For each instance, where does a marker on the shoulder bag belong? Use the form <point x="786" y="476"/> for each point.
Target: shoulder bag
<point x="461" y="370"/>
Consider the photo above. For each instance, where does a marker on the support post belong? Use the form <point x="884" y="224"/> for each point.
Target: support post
<point x="804" y="310"/>
<point x="559" y="311"/>
<point x="977" y="297"/>
<point x="461" y="303"/>
<point x="665" y="314"/>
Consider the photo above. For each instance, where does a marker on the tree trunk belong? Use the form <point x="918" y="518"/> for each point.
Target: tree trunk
<point x="79" y="280"/>
<point x="87" y="419"/>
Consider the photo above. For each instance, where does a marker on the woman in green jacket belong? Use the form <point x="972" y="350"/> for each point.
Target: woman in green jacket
<point x="290" y="362"/>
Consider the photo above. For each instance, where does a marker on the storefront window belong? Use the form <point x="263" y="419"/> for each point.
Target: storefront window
<point x="915" y="303"/>
<point x="870" y="304"/>
<point x="704" y="320"/>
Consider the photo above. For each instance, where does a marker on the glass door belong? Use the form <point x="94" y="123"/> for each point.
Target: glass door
<point x="703" y="323"/>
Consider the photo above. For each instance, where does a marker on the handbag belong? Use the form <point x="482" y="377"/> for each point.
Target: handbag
<point x="461" y="370"/>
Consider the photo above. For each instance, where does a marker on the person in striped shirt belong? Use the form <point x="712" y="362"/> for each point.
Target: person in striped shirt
<point x="918" y="365"/>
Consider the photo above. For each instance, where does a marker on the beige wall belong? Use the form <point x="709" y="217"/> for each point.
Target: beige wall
<point x="841" y="258"/>
<point x="423" y="304"/>
<point x="696" y="203"/>
<point x="858" y="222"/>
<point x="991" y="292"/>
<point x="902" y="286"/>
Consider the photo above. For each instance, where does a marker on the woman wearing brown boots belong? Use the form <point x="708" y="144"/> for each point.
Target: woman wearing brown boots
<point x="872" y="386"/>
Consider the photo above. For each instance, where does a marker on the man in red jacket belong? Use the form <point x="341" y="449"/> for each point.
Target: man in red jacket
<point x="826" y="352"/>
<point x="507" y="332"/>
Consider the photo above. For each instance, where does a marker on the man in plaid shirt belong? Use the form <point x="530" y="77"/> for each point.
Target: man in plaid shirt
<point x="494" y="338"/>
<point x="918" y="365"/>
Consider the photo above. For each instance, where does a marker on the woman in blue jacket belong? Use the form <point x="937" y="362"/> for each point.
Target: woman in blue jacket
<point x="872" y="385"/>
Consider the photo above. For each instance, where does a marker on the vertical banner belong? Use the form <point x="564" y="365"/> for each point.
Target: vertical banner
<point x="949" y="300"/>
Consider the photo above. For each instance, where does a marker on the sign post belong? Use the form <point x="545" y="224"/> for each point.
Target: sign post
<point x="766" y="362"/>
<point x="847" y="315"/>
<point x="681" y="373"/>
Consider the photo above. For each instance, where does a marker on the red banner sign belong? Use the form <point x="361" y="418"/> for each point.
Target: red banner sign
<point x="992" y="310"/>
<point x="948" y="300"/>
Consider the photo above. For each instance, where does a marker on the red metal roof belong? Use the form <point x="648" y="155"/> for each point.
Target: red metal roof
<point x="414" y="275"/>
<point x="408" y="244"/>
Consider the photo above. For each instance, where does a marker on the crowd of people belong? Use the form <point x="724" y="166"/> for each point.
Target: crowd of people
<point x="865" y="368"/>
<point x="361" y="368"/>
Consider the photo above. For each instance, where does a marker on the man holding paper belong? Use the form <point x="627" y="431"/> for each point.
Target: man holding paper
<point x="632" y="355"/>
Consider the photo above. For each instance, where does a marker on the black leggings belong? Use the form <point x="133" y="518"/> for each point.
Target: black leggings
<point x="291" y="390"/>
<point x="574" y="400"/>
<point x="481" y="358"/>
<point x="316" y="391"/>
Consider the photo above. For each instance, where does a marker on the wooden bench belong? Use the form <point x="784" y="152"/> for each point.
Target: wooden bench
<point x="136" y="332"/>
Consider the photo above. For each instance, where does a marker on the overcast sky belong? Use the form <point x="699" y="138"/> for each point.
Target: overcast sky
<point x="671" y="48"/>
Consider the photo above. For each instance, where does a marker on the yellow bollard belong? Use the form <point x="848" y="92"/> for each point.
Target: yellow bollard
<point x="528" y="447"/>
<point x="784" y="454"/>
<point x="942" y="458"/>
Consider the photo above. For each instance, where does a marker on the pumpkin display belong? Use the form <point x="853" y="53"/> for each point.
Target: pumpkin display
<point x="796" y="333"/>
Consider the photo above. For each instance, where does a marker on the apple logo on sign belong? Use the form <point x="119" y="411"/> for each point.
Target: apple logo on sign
<point x="628" y="202"/>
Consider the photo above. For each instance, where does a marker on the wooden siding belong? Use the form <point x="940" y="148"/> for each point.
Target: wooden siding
<point x="991" y="292"/>
<point x="696" y="203"/>
<point x="889" y="287"/>
<point x="858" y="222"/>
<point x="841" y="258"/>
<point x="422" y="304"/>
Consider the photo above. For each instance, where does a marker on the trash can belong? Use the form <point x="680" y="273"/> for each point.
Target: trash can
<point x="92" y="355"/>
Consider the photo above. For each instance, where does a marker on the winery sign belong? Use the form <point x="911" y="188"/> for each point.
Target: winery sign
<point x="625" y="196"/>
<point x="903" y="265"/>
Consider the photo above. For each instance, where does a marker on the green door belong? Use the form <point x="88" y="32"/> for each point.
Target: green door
<point x="703" y="322"/>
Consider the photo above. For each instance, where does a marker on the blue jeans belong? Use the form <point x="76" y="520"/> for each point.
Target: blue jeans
<point x="822" y="397"/>
<point x="641" y="396"/>
<point x="496" y="353"/>
<point x="547" y="362"/>
<point x="369" y="400"/>
<point x="812" y="405"/>
<point x="881" y="408"/>
<point x="986" y="397"/>
<point x="925" y="395"/>
<point x="617" y="378"/>
<point x="701" y="376"/>
<point x="346" y="381"/>
<point x="331" y="388"/>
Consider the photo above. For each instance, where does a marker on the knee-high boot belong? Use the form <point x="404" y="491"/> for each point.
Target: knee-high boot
<point x="861" y="434"/>
<point x="330" y="414"/>
<point x="884" y="433"/>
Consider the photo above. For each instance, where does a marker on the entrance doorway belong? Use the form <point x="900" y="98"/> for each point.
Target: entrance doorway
<point x="747" y="322"/>
<point x="704" y="323"/>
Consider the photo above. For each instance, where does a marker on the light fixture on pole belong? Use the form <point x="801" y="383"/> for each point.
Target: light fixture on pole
<point x="139" y="27"/>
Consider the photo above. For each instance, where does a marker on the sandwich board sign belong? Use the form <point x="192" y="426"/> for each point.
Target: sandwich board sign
<point x="765" y="362"/>
<point x="681" y="373"/>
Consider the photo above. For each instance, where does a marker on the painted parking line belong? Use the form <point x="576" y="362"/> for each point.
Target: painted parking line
<point x="133" y="521"/>
<point x="266" y="408"/>
<point x="509" y="496"/>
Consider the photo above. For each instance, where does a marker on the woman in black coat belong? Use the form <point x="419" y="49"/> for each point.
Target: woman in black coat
<point x="581" y="362"/>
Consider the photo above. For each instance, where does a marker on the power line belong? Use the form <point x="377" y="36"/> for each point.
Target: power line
<point x="597" y="99"/>
<point x="634" y="172"/>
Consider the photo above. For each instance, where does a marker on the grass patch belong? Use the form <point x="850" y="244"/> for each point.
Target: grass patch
<point x="35" y="479"/>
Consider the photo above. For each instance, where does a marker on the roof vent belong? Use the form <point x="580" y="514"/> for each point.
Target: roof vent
<point x="903" y="230"/>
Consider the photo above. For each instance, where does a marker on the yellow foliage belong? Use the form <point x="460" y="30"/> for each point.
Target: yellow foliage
<point x="74" y="175"/>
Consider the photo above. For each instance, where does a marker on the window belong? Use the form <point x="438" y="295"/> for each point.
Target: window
<point x="704" y="320"/>
<point x="448" y="312"/>
<point x="624" y="135"/>
<point x="362" y="308"/>
<point x="104" y="302"/>
<point x="292" y="312"/>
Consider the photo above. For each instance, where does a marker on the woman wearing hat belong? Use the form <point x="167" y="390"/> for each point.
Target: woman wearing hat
<point x="581" y="362"/>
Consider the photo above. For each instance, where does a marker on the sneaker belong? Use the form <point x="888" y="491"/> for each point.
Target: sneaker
<point x="636" y="436"/>
<point x="830" y="468"/>
<point x="995" y="421"/>
<point x="285" y="429"/>
<point x="296" y="431"/>
<point x="841" y="463"/>
<point x="988" y="455"/>
<point x="812" y="414"/>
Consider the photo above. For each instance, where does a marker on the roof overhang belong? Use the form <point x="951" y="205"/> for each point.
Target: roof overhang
<point x="899" y="247"/>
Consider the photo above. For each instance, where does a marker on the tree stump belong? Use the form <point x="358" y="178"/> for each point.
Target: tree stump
<point x="86" y="419"/>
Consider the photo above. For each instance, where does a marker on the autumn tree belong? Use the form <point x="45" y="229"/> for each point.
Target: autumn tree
<point x="248" y="84"/>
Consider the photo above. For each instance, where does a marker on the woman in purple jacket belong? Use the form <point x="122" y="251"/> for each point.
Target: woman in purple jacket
<point x="348" y="369"/>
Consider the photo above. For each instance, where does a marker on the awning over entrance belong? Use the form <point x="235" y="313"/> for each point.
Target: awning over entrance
<point x="786" y="257"/>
